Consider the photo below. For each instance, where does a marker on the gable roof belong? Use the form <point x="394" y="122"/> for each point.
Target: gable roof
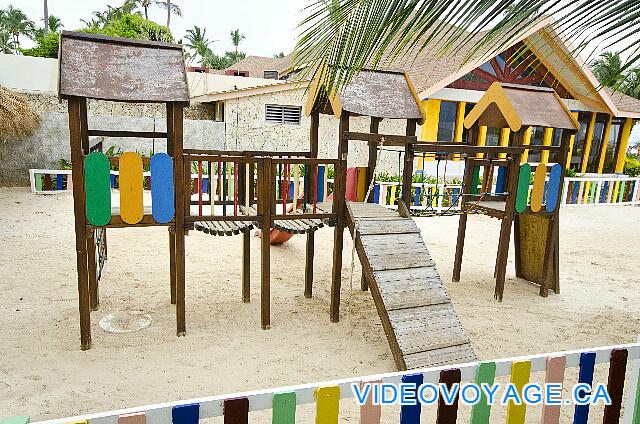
<point x="381" y="94"/>
<point x="256" y="65"/>
<point x="627" y="105"/>
<point x="516" y="106"/>
<point x="121" y="69"/>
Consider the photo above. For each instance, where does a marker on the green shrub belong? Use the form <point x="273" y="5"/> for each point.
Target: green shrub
<point x="133" y="26"/>
<point x="631" y="166"/>
<point x="46" y="46"/>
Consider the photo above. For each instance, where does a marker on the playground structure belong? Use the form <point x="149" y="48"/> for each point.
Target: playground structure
<point x="623" y="386"/>
<point x="249" y="188"/>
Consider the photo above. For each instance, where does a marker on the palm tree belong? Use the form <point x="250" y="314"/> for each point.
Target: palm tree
<point x="236" y="39"/>
<point x="170" y="8"/>
<point x="6" y="43"/>
<point x="145" y="5"/>
<point x="197" y="41"/>
<point x="54" y="23"/>
<point x="631" y="85"/>
<point x="608" y="69"/>
<point x="46" y="17"/>
<point x="278" y="55"/>
<point x="352" y="34"/>
<point x="16" y="23"/>
<point x="214" y="61"/>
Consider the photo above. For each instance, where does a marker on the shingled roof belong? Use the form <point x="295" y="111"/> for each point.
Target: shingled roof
<point x="622" y="101"/>
<point x="256" y="65"/>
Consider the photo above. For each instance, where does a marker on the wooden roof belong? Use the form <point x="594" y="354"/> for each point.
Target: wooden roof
<point x="381" y="94"/>
<point x="121" y="69"/>
<point x="516" y="106"/>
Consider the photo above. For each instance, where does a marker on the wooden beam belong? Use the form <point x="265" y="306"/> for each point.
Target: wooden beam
<point x="374" y="127"/>
<point x="77" y="170"/>
<point x="265" y="196"/>
<point x="127" y="134"/>
<point x="389" y="139"/>
<point x="407" y="171"/>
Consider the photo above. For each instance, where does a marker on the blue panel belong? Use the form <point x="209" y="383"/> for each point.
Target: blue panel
<point x="500" y="180"/>
<point x="320" y="183"/>
<point x="603" y="194"/>
<point x="59" y="182"/>
<point x="291" y="191"/>
<point x="162" y="197"/>
<point x="416" y="198"/>
<point x="553" y="187"/>
<point x="585" y="375"/>
<point x="113" y="181"/>
<point x="205" y="184"/>
<point x="185" y="414"/>
<point x="576" y="189"/>
<point x="410" y="414"/>
<point x="376" y="193"/>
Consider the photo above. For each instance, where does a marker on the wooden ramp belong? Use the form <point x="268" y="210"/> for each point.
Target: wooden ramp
<point x="421" y="325"/>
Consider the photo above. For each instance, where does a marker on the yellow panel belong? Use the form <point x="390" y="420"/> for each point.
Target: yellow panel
<point x="605" y="141"/>
<point x="430" y="127"/>
<point x="457" y="133"/>
<point x="392" y="198"/>
<point x="538" y="187"/>
<point x="361" y="190"/>
<point x="327" y="405"/>
<point x="587" y="190"/>
<point x="526" y="140"/>
<point x="546" y="141"/>
<point x="571" y="140"/>
<point x="520" y="373"/>
<point x="482" y="138"/>
<point x="616" y="188"/>
<point x="131" y="208"/>
<point x="587" y="143"/>
<point x="624" y="142"/>
<point x="504" y="140"/>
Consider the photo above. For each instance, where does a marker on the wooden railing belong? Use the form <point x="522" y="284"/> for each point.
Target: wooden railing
<point x="621" y="363"/>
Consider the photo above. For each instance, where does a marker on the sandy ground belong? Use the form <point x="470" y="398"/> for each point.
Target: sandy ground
<point x="44" y="374"/>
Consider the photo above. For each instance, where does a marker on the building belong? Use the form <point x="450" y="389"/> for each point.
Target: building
<point x="268" y="110"/>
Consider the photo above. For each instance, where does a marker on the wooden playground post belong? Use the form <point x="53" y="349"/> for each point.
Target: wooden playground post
<point x="308" y="269"/>
<point x="311" y="194"/>
<point x="339" y="186"/>
<point x="462" y="223"/>
<point x="407" y="171"/>
<point x="181" y="210"/>
<point x="172" y="232"/>
<point x="374" y="128"/>
<point x="77" y="169"/>
<point x="94" y="298"/>
<point x="265" y="202"/>
<point x="243" y="180"/>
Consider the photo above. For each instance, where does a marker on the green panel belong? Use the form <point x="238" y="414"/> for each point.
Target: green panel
<point x="97" y="183"/>
<point x="522" y="194"/>
<point x="38" y="178"/>
<point x="15" y="420"/>
<point x="284" y="408"/>
<point x="475" y="180"/>
<point x="592" y="193"/>
<point x="486" y="373"/>
<point x="636" y="411"/>
<point x="623" y="187"/>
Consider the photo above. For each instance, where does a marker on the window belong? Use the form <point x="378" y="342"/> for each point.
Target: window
<point x="278" y="114"/>
<point x="218" y="111"/>
<point x="537" y="134"/>
<point x="271" y="74"/>
<point x="596" y="142"/>
<point x="612" y="146"/>
<point x="579" y="140"/>
<point x="447" y="121"/>
<point x="465" y="131"/>
<point x="493" y="137"/>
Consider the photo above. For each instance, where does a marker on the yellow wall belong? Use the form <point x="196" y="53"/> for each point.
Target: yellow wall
<point x="482" y="138"/>
<point x="624" y="143"/>
<point x="430" y="128"/>
<point x="504" y="140"/>
<point x="546" y="141"/>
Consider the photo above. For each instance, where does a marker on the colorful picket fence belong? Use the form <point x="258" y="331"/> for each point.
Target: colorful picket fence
<point x="597" y="190"/>
<point x="623" y="384"/>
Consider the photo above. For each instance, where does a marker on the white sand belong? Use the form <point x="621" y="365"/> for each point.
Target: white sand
<point x="44" y="374"/>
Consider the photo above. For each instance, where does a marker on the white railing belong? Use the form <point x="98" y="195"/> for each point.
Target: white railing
<point x="260" y="400"/>
<point x="605" y="190"/>
<point x="426" y="197"/>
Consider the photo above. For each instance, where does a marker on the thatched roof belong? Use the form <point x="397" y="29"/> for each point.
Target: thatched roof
<point x="16" y="118"/>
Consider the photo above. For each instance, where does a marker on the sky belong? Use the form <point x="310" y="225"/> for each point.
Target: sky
<point x="268" y="25"/>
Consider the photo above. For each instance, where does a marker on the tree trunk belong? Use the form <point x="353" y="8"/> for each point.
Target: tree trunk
<point x="146" y="12"/>
<point x="168" y="13"/>
<point x="46" y="18"/>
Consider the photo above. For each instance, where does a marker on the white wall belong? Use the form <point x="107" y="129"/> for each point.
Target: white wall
<point x="28" y="74"/>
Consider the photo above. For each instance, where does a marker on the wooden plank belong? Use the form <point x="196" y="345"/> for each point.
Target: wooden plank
<point x="392" y="239"/>
<point x="554" y="375"/>
<point x="403" y="226"/>
<point x="370" y="413"/>
<point x="585" y="375"/>
<point x="554" y="190"/>
<point x="537" y="194"/>
<point x="520" y="374"/>
<point x="400" y="260"/>
<point x="236" y="411"/>
<point x="481" y="411"/>
<point x="615" y="385"/>
<point x="185" y="414"/>
<point x="284" y="408"/>
<point x="327" y="405"/>
<point x="162" y="194"/>
<point x="436" y="316"/>
<point x="411" y="299"/>
<point x="98" y="188"/>
<point x="131" y="207"/>
<point x="410" y="414"/>
<point x="448" y="414"/>
<point x="415" y="341"/>
<point x="522" y="193"/>
<point x="439" y="357"/>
